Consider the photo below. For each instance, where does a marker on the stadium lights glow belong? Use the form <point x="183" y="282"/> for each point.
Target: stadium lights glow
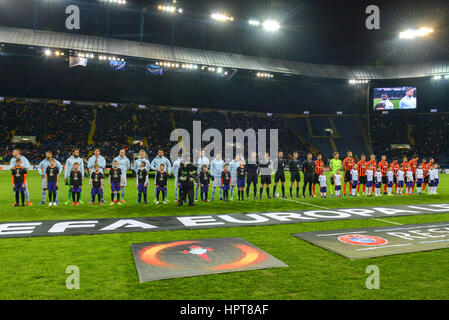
<point x="412" y="34"/>
<point x="441" y="77"/>
<point x="271" y="25"/>
<point x="85" y="55"/>
<point x="353" y="81"/>
<point x="47" y="52"/>
<point x="110" y="58"/>
<point x="254" y="23"/>
<point x="221" y="17"/>
<point x="120" y="2"/>
<point x="169" y="9"/>
<point x="264" y="75"/>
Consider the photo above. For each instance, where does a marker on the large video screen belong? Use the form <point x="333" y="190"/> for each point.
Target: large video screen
<point x="397" y="98"/>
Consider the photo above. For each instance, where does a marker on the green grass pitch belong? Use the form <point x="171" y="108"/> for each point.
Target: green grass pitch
<point x="34" y="268"/>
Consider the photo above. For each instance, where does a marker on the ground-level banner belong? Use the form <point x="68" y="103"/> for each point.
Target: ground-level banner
<point x="143" y="224"/>
<point x="366" y="243"/>
<point x="187" y="258"/>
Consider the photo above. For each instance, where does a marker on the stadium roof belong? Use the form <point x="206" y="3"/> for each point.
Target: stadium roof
<point x="126" y="48"/>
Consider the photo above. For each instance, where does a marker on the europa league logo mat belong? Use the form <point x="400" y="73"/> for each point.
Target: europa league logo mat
<point x="162" y="260"/>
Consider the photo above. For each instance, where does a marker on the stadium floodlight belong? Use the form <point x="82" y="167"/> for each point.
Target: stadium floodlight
<point x="169" y="9"/>
<point x="47" y="52"/>
<point x="446" y="76"/>
<point x="254" y="23"/>
<point x="437" y="77"/>
<point x="221" y="17"/>
<point x="271" y="25"/>
<point x="120" y="2"/>
<point x="412" y="34"/>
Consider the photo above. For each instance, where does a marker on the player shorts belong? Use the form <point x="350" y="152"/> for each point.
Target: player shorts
<point x="240" y="183"/>
<point x="162" y="188"/>
<point x="176" y="181"/>
<point x="348" y="177"/>
<point x="426" y="179"/>
<point x="338" y="188"/>
<point x="18" y="187"/>
<point x="233" y="181"/>
<point x="251" y="178"/>
<point x="226" y="187"/>
<point x="323" y="189"/>
<point x="384" y="180"/>
<point x="409" y="184"/>
<point x="378" y="184"/>
<point x="295" y="176"/>
<point x="141" y="188"/>
<point x="363" y="179"/>
<point x="279" y="176"/>
<point x="205" y="188"/>
<point x="76" y="189"/>
<point x="355" y="183"/>
<point x="390" y="184"/>
<point x="395" y="180"/>
<point x="217" y="182"/>
<point x="123" y="180"/>
<point x="265" y="179"/>
<point x="419" y="182"/>
<point x="332" y="181"/>
<point x="96" y="191"/>
<point x="51" y="186"/>
<point x="115" y="186"/>
<point x="369" y="184"/>
<point x="400" y="184"/>
<point x="44" y="184"/>
<point x="436" y="182"/>
<point x="315" y="178"/>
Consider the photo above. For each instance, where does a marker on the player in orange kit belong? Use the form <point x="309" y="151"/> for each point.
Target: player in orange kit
<point x="384" y="168"/>
<point x="348" y="165"/>
<point x="362" y="167"/>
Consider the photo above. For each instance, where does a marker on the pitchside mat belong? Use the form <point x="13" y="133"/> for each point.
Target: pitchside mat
<point x="175" y="259"/>
<point x="381" y="241"/>
<point x="142" y="224"/>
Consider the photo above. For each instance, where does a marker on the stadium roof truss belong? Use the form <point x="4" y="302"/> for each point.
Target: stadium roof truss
<point x="133" y="49"/>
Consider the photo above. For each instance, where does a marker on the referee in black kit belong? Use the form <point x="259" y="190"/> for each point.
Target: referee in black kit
<point x="308" y="168"/>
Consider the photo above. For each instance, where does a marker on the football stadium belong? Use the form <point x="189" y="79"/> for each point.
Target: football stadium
<point x="223" y="150"/>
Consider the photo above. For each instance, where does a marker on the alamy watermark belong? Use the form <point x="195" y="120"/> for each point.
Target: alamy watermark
<point x="234" y="144"/>
<point x="73" y="280"/>
<point x="373" y="280"/>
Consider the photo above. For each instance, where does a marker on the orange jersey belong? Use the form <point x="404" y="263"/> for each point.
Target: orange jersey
<point x="319" y="165"/>
<point x="372" y="163"/>
<point x="395" y="166"/>
<point x="362" y="166"/>
<point x="413" y="165"/>
<point x="348" y="164"/>
<point x="425" y="168"/>
<point x="383" y="167"/>
<point x="404" y="165"/>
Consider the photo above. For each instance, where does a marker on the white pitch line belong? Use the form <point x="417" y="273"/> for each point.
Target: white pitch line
<point x="314" y="205"/>
<point x="387" y="221"/>
<point x="307" y="204"/>
<point x="393" y="245"/>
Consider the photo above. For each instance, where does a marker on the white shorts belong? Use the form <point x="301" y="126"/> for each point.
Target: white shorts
<point x="217" y="183"/>
<point x="233" y="181"/>
<point x="123" y="180"/>
<point x="176" y="182"/>
<point x="44" y="183"/>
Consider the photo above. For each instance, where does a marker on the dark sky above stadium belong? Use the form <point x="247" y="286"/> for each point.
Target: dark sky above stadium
<point x="316" y="31"/>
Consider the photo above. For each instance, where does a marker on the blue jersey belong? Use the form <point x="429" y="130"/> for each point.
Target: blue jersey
<point x="216" y="168"/>
<point x="156" y="164"/>
<point x="69" y="165"/>
<point x="42" y="167"/>
<point x="233" y="165"/>
<point x="201" y="162"/>
<point x="25" y="162"/>
<point x="176" y="166"/>
<point x="101" y="161"/>
<point x="137" y="163"/>
<point x="123" y="164"/>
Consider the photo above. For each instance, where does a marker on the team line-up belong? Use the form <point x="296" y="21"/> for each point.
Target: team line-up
<point x="363" y="177"/>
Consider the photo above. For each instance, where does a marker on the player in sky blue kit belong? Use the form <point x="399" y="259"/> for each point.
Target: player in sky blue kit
<point x="124" y="165"/>
<point x="233" y="165"/>
<point x="156" y="166"/>
<point x="202" y="160"/>
<point x="216" y="168"/>
<point x="69" y="165"/>
<point x="42" y="169"/>
<point x="137" y="164"/>
<point x="176" y="165"/>
<point x="25" y="164"/>
<point x="97" y="158"/>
